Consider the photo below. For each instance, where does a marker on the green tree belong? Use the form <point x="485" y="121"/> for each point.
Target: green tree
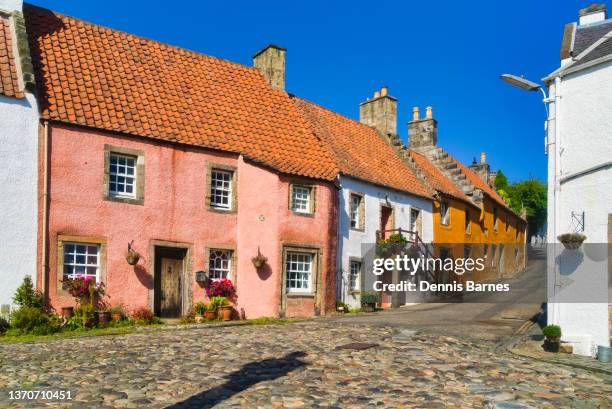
<point x="529" y="194"/>
<point x="501" y="181"/>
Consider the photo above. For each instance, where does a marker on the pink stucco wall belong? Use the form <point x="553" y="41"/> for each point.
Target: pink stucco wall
<point x="174" y="211"/>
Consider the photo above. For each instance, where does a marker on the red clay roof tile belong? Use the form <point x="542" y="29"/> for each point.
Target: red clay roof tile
<point x="436" y="178"/>
<point x="359" y="150"/>
<point x="102" y="78"/>
<point x="9" y="80"/>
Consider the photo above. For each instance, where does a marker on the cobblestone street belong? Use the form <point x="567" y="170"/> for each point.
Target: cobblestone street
<point x="297" y="365"/>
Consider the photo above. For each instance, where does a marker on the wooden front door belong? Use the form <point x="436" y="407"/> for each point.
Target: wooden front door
<point x="386" y="221"/>
<point x="169" y="282"/>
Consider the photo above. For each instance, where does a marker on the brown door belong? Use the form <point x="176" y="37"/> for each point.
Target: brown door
<point x="386" y="221"/>
<point x="168" y="282"/>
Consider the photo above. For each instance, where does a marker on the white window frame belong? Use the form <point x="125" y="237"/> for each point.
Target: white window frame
<point x="125" y="175"/>
<point x="444" y="215"/>
<point x="220" y="271"/>
<point x="300" y="257"/>
<point x="355" y="267"/>
<point x="355" y="211"/>
<point x="86" y="264"/>
<point x="305" y="206"/>
<point x="220" y="191"/>
<point x="468" y="221"/>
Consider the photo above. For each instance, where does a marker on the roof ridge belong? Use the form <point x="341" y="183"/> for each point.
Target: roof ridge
<point x="136" y="36"/>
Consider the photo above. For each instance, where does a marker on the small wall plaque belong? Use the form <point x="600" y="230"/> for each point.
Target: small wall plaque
<point x="200" y="276"/>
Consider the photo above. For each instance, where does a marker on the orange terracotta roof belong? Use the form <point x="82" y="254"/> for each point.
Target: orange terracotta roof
<point x="9" y="80"/>
<point x="475" y="180"/>
<point x="98" y="77"/>
<point x="360" y="151"/>
<point x="436" y="178"/>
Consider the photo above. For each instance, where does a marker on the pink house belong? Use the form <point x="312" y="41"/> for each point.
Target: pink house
<point x="198" y="162"/>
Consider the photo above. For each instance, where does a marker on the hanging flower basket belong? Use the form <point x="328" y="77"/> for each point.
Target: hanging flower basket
<point x="572" y="241"/>
<point x="132" y="256"/>
<point x="259" y="260"/>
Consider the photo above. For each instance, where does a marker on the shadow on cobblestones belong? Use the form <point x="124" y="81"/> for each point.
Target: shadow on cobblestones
<point x="247" y="376"/>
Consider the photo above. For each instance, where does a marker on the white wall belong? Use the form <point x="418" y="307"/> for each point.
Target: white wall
<point x="583" y="139"/>
<point x="350" y="240"/>
<point x="18" y="192"/>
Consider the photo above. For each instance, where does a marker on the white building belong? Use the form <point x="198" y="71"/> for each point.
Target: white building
<point x="18" y="154"/>
<point x="579" y="146"/>
<point x="378" y="190"/>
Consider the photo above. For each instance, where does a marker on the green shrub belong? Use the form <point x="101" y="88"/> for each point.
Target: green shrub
<point x="200" y="307"/>
<point x="27" y="296"/>
<point x="4" y="326"/>
<point x="552" y="331"/>
<point x="370" y="297"/>
<point x="218" y="301"/>
<point x="343" y="305"/>
<point x="31" y="320"/>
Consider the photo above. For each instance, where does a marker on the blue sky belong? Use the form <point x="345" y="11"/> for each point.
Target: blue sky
<point x="447" y="54"/>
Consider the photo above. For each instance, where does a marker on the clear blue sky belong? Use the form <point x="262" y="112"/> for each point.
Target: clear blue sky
<point x="447" y="54"/>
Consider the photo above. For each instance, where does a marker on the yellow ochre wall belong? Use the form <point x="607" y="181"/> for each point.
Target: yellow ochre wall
<point x="505" y="248"/>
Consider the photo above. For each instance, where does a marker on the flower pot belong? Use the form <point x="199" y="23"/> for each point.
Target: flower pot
<point x="225" y="313"/>
<point x="210" y="315"/>
<point x="68" y="312"/>
<point x="132" y="257"/>
<point x="116" y="316"/>
<point x="552" y="344"/>
<point x="199" y="318"/>
<point x="103" y="317"/>
<point x="368" y="308"/>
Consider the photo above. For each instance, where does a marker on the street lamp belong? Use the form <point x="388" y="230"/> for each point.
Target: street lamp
<point x="525" y="85"/>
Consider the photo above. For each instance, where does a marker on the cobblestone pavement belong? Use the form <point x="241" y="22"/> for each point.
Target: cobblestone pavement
<point x="291" y="366"/>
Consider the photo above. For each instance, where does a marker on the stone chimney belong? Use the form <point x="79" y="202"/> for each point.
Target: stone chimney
<point x="271" y="62"/>
<point x="482" y="169"/>
<point x="422" y="133"/>
<point x="380" y="112"/>
<point x="592" y="14"/>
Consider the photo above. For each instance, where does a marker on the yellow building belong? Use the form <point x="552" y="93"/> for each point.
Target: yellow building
<point x="469" y="218"/>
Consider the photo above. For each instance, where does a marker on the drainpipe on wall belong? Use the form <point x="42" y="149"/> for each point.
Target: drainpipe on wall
<point x="44" y="265"/>
<point x="338" y="269"/>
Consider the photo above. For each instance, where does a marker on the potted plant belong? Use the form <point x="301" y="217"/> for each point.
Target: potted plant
<point x="211" y="312"/>
<point x="103" y="313"/>
<point x="341" y="307"/>
<point x="369" y="300"/>
<point x="199" y="309"/>
<point x="553" y="338"/>
<point x="88" y="295"/>
<point x="117" y="312"/>
<point x="571" y="241"/>
<point x="259" y="260"/>
<point x="132" y="256"/>
<point x="222" y="306"/>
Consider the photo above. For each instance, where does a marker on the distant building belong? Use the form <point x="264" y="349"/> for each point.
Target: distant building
<point x="19" y="149"/>
<point x="579" y="147"/>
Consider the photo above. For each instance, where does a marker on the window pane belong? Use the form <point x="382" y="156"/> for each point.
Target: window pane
<point x="299" y="271"/>
<point x="121" y="175"/>
<point x="221" y="189"/>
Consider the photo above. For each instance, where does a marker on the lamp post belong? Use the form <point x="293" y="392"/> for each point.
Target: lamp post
<point x="526" y="85"/>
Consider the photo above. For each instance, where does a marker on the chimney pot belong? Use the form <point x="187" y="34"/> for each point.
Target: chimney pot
<point x="415" y="113"/>
<point x="483" y="158"/>
<point x="384" y="91"/>
<point x="376" y="94"/>
<point x="429" y="112"/>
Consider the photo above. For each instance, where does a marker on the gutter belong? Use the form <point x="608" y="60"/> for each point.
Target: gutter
<point x="45" y="209"/>
<point x="586" y="171"/>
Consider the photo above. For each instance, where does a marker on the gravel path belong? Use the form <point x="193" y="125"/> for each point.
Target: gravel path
<point x="290" y="366"/>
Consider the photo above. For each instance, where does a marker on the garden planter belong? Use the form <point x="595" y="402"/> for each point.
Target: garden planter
<point x="604" y="354"/>
<point x="199" y="318"/>
<point x="116" y="317"/>
<point x="368" y="307"/>
<point x="210" y="315"/>
<point x="552" y="344"/>
<point x="259" y="260"/>
<point x="225" y="313"/>
<point x="103" y="317"/>
<point x="571" y="241"/>
<point x="68" y="312"/>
